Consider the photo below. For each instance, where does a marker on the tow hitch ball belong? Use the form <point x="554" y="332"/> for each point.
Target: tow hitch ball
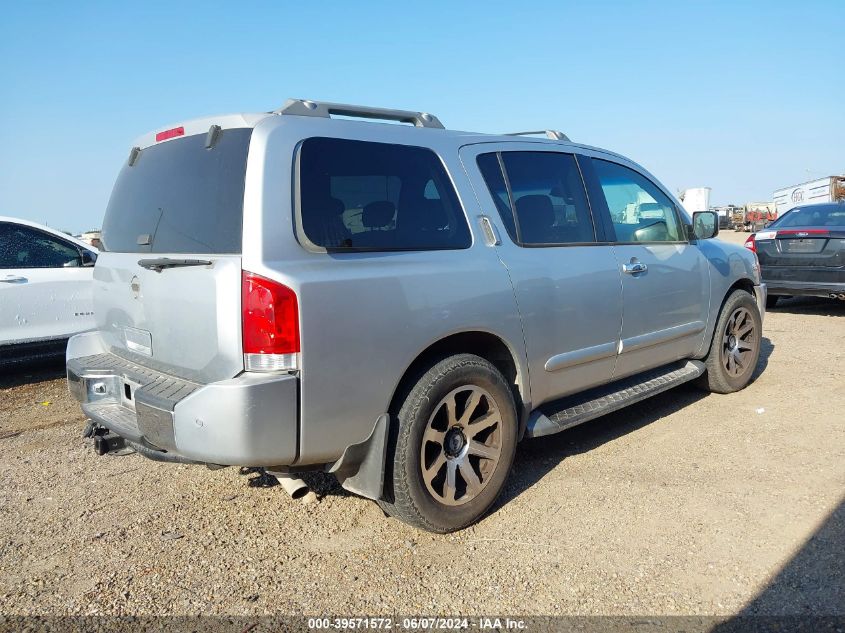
<point x="104" y="440"/>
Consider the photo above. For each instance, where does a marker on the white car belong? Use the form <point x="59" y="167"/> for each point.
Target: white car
<point x="46" y="280"/>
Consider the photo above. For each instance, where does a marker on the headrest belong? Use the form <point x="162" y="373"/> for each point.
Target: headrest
<point x="423" y="214"/>
<point x="324" y="206"/>
<point x="334" y="206"/>
<point x="537" y="209"/>
<point x="378" y="214"/>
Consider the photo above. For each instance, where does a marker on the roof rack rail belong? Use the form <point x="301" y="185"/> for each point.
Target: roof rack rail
<point x="552" y="134"/>
<point x="303" y="107"/>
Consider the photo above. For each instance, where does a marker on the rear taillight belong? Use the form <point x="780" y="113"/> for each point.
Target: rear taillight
<point x="750" y="244"/>
<point x="270" y="325"/>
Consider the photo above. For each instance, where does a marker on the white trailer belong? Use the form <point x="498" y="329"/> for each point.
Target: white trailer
<point x="829" y="189"/>
<point x="696" y="199"/>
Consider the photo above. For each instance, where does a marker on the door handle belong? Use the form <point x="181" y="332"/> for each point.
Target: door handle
<point x="12" y="279"/>
<point x="634" y="267"/>
<point x="491" y="235"/>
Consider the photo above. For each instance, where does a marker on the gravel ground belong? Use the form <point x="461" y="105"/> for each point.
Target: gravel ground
<point x="684" y="504"/>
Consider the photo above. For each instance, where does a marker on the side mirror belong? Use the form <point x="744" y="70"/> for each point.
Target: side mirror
<point x="705" y="224"/>
<point x="88" y="258"/>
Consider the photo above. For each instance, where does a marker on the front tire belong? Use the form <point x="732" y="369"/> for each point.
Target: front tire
<point x="454" y="446"/>
<point x="735" y="347"/>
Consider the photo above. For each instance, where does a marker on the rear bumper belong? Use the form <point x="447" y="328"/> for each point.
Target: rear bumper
<point x="804" y="281"/>
<point x="760" y="293"/>
<point x="249" y="420"/>
<point x="805" y="289"/>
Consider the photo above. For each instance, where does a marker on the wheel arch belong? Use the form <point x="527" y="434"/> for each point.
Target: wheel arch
<point x="715" y="379"/>
<point x="485" y="344"/>
<point x="366" y="468"/>
<point x="743" y="283"/>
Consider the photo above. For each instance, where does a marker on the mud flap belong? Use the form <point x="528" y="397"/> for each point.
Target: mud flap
<point x="361" y="467"/>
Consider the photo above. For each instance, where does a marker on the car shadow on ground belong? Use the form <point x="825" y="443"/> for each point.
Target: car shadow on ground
<point x="809" y="305"/>
<point x="811" y="583"/>
<point x="31" y="372"/>
<point x="535" y="458"/>
<point x="766" y="350"/>
<point x="322" y="484"/>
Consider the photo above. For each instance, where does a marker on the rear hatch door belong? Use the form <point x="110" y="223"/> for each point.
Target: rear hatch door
<point x="167" y="286"/>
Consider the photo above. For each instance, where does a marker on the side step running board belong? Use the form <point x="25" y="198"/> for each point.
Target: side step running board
<point x="560" y="415"/>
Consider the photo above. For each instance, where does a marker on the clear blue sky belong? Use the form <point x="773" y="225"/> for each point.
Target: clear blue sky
<point x="744" y="97"/>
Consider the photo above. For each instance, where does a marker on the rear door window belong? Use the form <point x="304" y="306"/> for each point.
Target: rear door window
<point x="543" y="202"/>
<point x="180" y="197"/>
<point x="360" y="195"/>
<point x="25" y="247"/>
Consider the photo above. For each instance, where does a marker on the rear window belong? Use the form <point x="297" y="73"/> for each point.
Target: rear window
<point x="360" y="195"/>
<point x="180" y="197"/>
<point x="816" y="215"/>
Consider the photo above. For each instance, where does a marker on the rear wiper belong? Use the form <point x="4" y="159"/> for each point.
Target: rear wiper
<point x="161" y="263"/>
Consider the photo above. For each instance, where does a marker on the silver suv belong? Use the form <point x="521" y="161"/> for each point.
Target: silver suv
<point x="395" y="304"/>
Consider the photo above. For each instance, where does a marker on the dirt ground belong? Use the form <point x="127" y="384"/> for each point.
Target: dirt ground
<point x="687" y="503"/>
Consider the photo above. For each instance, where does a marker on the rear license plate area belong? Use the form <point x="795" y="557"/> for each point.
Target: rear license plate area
<point x="802" y="246"/>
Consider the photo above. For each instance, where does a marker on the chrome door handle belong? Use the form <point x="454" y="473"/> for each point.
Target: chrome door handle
<point x="11" y="279"/>
<point x="634" y="267"/>
<point x="491" y="235"/>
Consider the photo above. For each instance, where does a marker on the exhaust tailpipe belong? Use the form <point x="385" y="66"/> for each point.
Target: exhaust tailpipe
<point x="295" y="487"/>
<point x="837" y="295"/>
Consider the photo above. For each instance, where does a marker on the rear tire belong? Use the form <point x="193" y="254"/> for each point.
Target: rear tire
<point x="735" y="347"/>
<point x="453" y="445"/>
<point x="771" y="301"/>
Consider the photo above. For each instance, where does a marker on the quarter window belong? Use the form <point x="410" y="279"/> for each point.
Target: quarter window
<point x="492" y="172"/>
<point x="24" y="247"/>
<point x="359" y="195"/>
<point x="639" y="210"/>
<point x="546" y="203"/>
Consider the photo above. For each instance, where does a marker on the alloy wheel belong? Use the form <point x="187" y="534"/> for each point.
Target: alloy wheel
<point x="461" y="445"/>
<point x="739" y="342"/>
